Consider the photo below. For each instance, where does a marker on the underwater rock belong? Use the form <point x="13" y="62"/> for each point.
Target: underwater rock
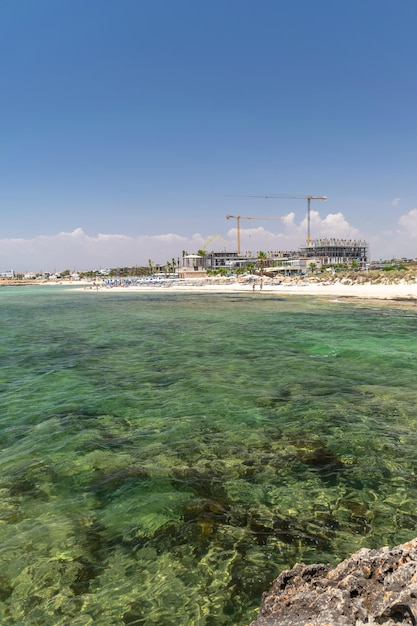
<point x="370" y="587"/>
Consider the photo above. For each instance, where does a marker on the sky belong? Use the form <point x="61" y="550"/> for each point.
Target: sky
<point x="131" y="128"/>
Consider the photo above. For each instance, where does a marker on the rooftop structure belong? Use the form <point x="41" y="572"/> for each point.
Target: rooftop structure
<point x="336" y="251"/>
<point x="7" y="274"/>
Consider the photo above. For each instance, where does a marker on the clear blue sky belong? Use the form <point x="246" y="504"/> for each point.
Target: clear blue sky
<point x="138" y="117"/>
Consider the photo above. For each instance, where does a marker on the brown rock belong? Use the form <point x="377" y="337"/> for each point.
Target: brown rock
<point x="372" y="587"/>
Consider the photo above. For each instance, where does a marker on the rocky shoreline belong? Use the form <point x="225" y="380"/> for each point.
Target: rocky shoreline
<point x="373" y="277"/>
<point x="369" y="588"/>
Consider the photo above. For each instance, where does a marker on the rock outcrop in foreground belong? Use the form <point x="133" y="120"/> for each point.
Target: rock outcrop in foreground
<point x="371" y="587"/>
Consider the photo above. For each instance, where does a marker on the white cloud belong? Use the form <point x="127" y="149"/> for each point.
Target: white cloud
<point x="288" y="235"/>
<point x="333" y="225"/>
<point x="399" y="241"/>
<point x="78" y="250"/>
<point x="408" y="224"/>
<point x="396" y="201"/>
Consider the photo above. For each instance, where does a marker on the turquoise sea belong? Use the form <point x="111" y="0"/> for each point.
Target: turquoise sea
<point x="165" y="456"/>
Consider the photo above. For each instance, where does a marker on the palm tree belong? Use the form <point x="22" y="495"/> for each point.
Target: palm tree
<point x="262" y="259"/>
<point x="203" y="254"/>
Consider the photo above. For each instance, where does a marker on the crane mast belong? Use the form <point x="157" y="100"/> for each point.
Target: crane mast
<point x="308" y="198"/>
<point x="247" y="217"/>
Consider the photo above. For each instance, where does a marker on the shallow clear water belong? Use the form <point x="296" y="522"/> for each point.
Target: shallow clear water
<point x="164" y="456"/>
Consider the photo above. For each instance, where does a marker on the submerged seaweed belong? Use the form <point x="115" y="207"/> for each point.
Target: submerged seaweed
<point x="169" y="456"/>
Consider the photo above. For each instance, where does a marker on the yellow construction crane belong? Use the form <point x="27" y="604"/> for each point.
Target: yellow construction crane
<point x="308" y="198"/>
<point x="212" y="239"/>
<point x="247" y="217"/>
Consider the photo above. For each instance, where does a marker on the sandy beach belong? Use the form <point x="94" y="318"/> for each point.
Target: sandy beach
<point x="406" y="291"/>
<point x="390" y="291"/>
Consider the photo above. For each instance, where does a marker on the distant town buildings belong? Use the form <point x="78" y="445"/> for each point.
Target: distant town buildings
<point x="312" y="256"/>
<point x="317" y="253"/>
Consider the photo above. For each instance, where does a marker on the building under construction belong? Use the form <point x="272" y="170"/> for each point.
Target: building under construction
<point x="336" y="251"/>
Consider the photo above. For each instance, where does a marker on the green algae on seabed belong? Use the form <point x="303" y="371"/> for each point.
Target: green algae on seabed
<point x="165" y="457"/>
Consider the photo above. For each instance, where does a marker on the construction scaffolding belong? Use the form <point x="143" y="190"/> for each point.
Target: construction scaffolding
<point x="336" y="251"/>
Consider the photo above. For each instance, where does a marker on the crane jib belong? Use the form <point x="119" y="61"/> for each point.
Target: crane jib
<point x="308" y="198"/>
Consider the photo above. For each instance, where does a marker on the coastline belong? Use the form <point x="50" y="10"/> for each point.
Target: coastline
<point x="389" y="291"/>
<point x="392" y="292"/>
